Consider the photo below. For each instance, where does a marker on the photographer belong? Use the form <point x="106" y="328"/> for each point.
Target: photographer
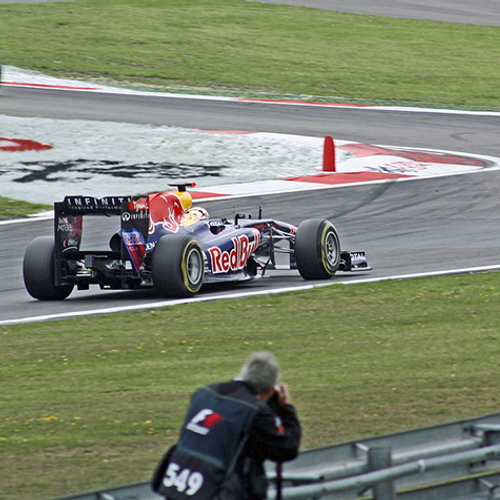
<point x="275" y="433"/>
<point x="238" y="425"/>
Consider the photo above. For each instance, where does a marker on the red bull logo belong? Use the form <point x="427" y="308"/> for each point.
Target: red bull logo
<point x="236" y="258"/>
<point x="166" y="210"/>
<point x="136" y="246"/>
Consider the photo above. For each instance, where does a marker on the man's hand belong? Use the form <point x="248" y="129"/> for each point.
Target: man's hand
<point x="283" y="394"/>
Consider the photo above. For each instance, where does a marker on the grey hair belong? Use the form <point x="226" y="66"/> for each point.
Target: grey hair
<point x="261" y="371"/>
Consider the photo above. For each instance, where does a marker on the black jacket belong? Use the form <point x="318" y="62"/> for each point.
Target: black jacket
<point x="275" y="435"/>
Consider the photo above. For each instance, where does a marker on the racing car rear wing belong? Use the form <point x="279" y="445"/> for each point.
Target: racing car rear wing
<point x="68" y="217"/>
<point x="68" y="220"/>
<point x="89" y="205"/>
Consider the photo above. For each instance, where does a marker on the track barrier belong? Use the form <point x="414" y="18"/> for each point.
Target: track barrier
<point x="455" y="461"/>
<point x="406" y="465"/>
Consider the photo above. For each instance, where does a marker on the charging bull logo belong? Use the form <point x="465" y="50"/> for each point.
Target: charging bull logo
<point x="165" y="209"/>
<point x="203" y="421"/>
<point x="236" y="258"/>
<point x="135" y="245"/>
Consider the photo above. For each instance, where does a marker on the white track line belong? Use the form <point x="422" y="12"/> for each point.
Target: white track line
<point x="170" y="303"/>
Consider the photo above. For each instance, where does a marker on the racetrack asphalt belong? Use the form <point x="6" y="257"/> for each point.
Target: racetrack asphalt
<point x="481" y="12"/>
<point x="428" y="225"/>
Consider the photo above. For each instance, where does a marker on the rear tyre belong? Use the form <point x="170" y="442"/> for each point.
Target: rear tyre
<point x="317" y="249"/>
<point x="38" y="271"/>
<point x="178" y="266"/>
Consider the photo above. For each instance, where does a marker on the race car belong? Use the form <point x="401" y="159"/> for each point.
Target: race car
<point x="165" y="243"/>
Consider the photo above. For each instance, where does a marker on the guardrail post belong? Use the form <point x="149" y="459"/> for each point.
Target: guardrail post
<point x="380" y="458"/>
<point x="491" y="433"/>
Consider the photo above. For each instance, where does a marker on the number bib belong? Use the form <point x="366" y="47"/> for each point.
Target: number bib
<point x="187" y="476"/>
<point x="212" y="437"/>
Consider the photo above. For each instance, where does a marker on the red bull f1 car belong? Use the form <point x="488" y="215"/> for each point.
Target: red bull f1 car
<point x="165" y="243"/>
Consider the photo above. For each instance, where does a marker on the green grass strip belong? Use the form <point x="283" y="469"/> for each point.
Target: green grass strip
<point x="12" y="209"/>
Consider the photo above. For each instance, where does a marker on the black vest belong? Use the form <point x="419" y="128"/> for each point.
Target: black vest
<point x="212" y="437"/>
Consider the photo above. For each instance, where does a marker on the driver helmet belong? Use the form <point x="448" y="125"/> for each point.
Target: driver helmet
<point x="200" y="213"/>
<point x="185" y="198"/>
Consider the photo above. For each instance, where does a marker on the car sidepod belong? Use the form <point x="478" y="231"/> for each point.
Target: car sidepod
<point x="229" y="254"/>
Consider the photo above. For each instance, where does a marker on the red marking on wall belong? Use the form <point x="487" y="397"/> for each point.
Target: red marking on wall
<point x="362" y="150"/>
<point x="346" y="178"/>
<point x="196" y="195"/>
<point x="48" y="86"/>
<point x="21" y="145"/>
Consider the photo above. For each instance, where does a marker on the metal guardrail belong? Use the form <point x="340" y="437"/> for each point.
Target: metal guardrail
<point x="459" y="461"/>
<point x="412" y="460"/>
<point x="357" y="486"/>
<point x="482" y="488"/>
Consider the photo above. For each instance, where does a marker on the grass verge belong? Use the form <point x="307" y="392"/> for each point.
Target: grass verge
<point x="93" y="402"/>
<point x="251" y="47"/>
<point x="12" y="209"/>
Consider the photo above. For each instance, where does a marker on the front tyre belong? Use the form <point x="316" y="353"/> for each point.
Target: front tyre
<point x="38" y="271"/>
<point x="317" y="249"/>
<point x="177" y="266"/>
